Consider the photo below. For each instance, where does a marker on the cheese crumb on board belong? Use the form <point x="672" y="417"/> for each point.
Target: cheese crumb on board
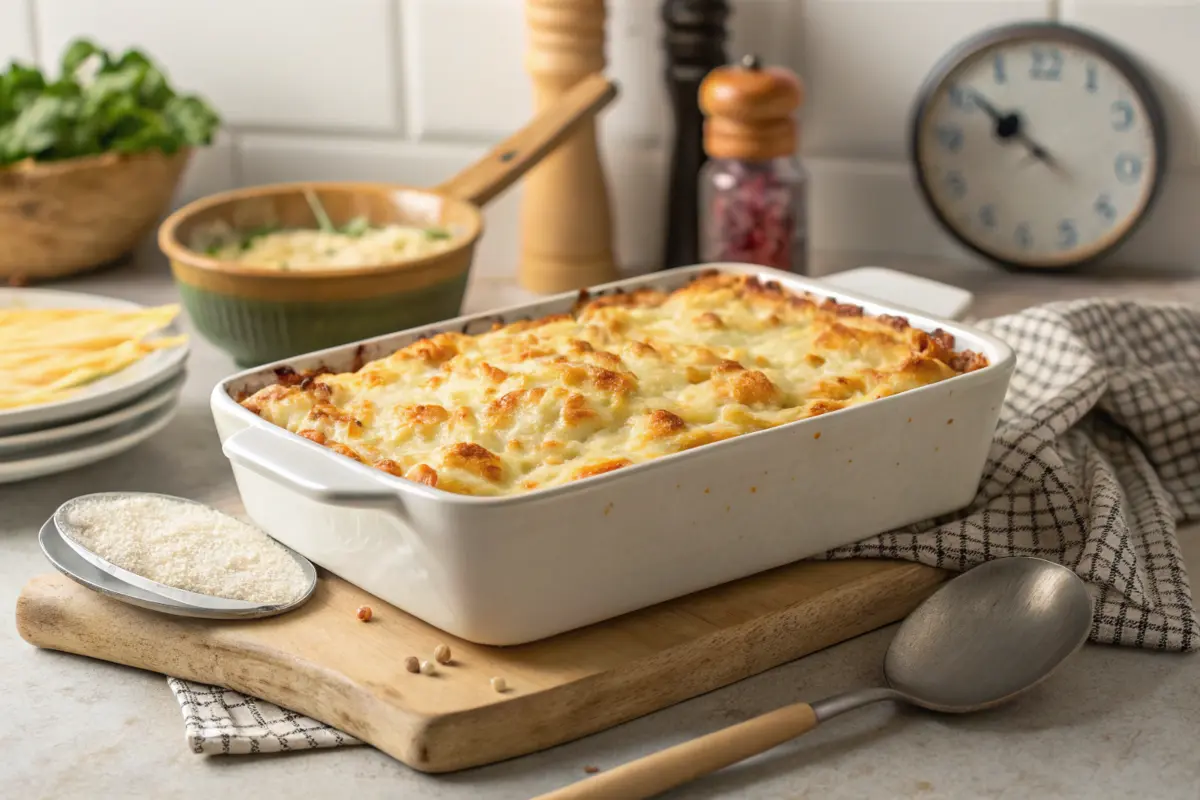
<point x="186" y="546"/>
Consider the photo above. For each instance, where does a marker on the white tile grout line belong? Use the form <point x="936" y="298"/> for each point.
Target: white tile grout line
<point x="328" y="131"/>
<point x="405" y="55"/>
<point x="34" y="44"/>
<point x="396" y="44"/>
<point x="235" y="156"/>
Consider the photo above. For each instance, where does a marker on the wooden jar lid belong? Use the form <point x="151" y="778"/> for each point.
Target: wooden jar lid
<point x="750" y="111"/>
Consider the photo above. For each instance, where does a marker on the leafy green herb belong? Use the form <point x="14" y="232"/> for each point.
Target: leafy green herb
<point x="436" y="234"/>
<point x="324" y="223"/>
<point x="251" y="235"/>
<point x="356" y="227"/>
<point x="100" y="103"/>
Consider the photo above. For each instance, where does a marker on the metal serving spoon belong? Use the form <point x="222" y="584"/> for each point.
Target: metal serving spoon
<point x="982" y="639"/>
<point x="85" y="567"/>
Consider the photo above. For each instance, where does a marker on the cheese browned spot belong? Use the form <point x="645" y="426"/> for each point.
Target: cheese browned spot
<point x="623" y="379"/>
<point x="664" y="423"/>
<point x="476" y="459"/>
<point x="505" y="405"/>
<point x="425" y="415"/>
<point x="435" y="351"/>
<point x="576" y="410"/>
<point x="423" y="473"/>
<point x="344" y="450"/>
<point x="493" y="374"/>
<point x="390" y="467"/>
<point x="641" y="349"/>
<point x="600" y="467"/>
<point x="749" y="387"/>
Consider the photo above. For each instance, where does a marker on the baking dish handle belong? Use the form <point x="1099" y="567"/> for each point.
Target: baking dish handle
<point x="893" y="287"/>
<point x="301" y="467"/>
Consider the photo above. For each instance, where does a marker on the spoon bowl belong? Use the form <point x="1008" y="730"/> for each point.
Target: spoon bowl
<point x="980" y="640"/>
<point x="989" y="634"/>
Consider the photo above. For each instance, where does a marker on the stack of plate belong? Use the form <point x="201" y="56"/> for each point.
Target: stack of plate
<point x="102" y="419"/>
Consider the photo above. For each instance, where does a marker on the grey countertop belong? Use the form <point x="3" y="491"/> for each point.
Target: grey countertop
<point x="1113" y="723"/>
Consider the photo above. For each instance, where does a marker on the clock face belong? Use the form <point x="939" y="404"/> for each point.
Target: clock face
<point x="1041" y="147"/>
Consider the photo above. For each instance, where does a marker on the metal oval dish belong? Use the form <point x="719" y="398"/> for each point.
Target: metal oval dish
<point x="66" y="561"/>
<point x="131" y="587"/>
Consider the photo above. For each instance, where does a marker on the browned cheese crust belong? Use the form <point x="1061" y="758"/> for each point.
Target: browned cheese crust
<point x="623" y="379"/>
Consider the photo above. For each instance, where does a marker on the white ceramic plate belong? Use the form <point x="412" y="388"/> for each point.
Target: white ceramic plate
<point x="104" y="394"/>
<point x="88" y="449"/>
<point x="16" y="446"/>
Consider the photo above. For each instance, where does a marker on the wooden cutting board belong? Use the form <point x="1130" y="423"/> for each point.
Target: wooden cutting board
<point x="320" y="660"/>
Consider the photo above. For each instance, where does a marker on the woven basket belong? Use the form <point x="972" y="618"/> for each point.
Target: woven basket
<point x="58" y="218"/>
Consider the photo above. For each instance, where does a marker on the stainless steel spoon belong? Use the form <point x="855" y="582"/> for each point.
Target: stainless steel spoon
<point x="983" y="638"/>
<point x="82" y="565"/>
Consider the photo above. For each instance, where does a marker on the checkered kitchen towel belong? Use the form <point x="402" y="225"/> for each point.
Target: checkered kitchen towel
<point x="1095" y="460"/>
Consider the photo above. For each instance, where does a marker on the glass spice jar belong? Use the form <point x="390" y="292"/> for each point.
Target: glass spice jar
<point x="753" y="190"/>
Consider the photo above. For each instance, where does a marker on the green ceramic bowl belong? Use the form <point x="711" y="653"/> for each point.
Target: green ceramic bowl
<point x="258" y="315"/>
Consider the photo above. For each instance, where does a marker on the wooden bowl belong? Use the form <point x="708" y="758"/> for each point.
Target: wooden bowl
<point x="58" y="218"/>
<point x="259" y="315"/>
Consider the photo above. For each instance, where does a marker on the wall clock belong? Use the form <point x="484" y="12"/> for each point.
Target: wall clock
<point x="1038" y="145"/>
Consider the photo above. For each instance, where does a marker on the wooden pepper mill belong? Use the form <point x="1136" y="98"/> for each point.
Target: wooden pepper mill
<point x="566" y="218"/>
<point x="695" y="44"/>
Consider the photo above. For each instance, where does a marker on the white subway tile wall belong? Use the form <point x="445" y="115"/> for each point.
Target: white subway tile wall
<point x="412" y="90"/>
<point x="864" y="61"/>
<point x="16" y="31"/>
<point x="313" y="64"/>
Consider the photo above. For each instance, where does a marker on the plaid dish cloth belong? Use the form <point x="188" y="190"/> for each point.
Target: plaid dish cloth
<point x="1095" y="459"/>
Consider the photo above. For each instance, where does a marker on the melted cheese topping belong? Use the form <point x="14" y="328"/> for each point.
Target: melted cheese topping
<point x="622" y="380"/>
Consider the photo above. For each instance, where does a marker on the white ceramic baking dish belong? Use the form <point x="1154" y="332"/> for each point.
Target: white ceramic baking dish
<point x="514" y="569"/>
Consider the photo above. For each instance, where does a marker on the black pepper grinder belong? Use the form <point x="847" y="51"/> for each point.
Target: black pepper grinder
<point x="695" y="44"/>
<point x="753" y="190"/>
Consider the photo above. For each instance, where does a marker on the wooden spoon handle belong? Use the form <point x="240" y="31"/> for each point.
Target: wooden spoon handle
<point x="513" y="157"/>
<point x="677" y="765"/>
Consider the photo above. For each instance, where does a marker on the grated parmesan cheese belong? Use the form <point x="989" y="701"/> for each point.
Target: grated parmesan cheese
<point x="187" y="546"/>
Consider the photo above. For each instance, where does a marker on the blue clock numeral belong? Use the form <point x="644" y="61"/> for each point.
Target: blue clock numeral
<point x="950" y="137"/>
<point x="1105" y="208"/>
<point x="961" y="98"/>
<point x="1068" y="236"/>
<point x="1047" y="64"/>
<point x="998" y="71"/>
<point x="1093" y="79"/>
<point x="1122" y="115"/>
<point x="1023" y="236"/>
<point x="987" y="215"/>
<point x="956" y="184"/>
<point x="1128" y="168"/>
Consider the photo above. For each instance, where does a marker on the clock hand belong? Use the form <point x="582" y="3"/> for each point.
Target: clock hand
<point x="1008" y="126"/>
<point x="987" y="107"/>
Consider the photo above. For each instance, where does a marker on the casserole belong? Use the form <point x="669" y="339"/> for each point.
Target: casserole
<point x="511" y="569"/>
